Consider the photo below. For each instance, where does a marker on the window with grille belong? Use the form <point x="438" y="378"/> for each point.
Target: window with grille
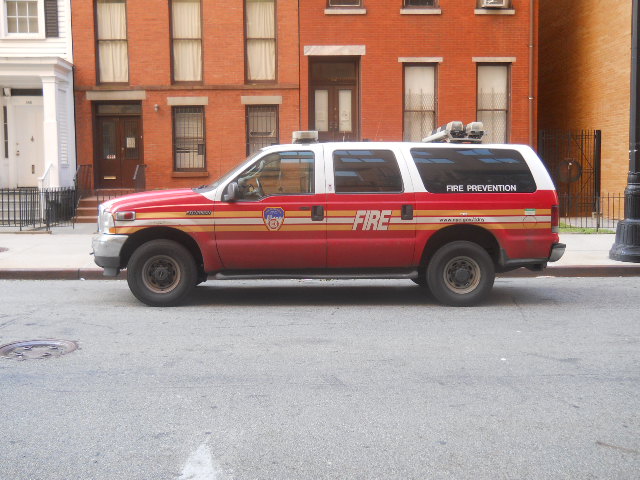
<point x="345" y="3"/>
<point x="420" y="3"/>
<point x="262" y="127"/>
<point x="113" y="56"/>
<point x="493" y="102"/>
<point x="419" y="101"/>
<point x="260" y="40"/>
<point x="186" y="39"/>
<point x="22" y="16"/>
<point x="188" y="138"/>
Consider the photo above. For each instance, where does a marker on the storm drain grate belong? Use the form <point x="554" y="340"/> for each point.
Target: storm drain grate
<point x="33" y="349"/>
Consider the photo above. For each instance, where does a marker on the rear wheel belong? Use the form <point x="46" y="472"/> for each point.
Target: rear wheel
<point x="460" y="274"/>
<point x="161" y="273"/>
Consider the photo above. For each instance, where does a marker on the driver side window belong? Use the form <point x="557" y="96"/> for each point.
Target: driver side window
<point x="281" y="173"/>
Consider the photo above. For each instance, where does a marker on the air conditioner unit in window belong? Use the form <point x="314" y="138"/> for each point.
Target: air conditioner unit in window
<point x="494" y="3"/>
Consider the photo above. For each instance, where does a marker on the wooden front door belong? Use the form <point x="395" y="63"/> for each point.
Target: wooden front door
<point x="333" y="100"/>
<point x="118" y="150"/>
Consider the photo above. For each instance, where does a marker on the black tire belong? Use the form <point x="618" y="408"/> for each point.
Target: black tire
<point x="460" y="274"/>
<point x="161" y="273"/>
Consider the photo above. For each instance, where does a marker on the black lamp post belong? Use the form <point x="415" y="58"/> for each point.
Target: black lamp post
<point x="627" y="245"/>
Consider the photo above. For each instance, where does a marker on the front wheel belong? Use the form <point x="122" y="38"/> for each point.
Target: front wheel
<point x="460" y="274"/>
<point x="161" y="273"/>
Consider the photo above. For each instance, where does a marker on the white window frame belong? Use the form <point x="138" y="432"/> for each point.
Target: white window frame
<point x="29" y="36"/>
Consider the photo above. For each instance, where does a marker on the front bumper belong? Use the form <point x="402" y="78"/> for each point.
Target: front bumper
<point x="106" y="252"/>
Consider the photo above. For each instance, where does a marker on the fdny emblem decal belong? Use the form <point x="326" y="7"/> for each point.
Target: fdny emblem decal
<point x="273" y="218"/>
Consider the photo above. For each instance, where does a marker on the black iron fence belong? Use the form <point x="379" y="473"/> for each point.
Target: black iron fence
<point x="596" y="212"/>
<point x="31" y="208"/>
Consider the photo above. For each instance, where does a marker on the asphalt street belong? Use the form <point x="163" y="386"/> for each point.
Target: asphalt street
<point x="324" y="379"/>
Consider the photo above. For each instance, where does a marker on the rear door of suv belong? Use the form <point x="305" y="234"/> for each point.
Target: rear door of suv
<point x="370" y="208"/>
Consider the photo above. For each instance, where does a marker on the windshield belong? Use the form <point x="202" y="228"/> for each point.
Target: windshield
<point x="226" y="176"/>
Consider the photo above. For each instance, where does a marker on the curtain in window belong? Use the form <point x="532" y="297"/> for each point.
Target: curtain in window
<point x="419" y="102"/>
<point x="187" y="40"/>
<point x="493" y="101"/>
<point x="261" y="40"/>
<point x="112" y="41"/>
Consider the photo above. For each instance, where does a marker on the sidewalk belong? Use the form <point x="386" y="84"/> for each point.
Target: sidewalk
<point x="66" y="254"/>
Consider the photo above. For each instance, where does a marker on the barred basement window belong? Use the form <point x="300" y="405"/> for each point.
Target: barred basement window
<point x="262" y="127"/>
<point x="420" y="3"/>
<point x="188" y="138"/>
<point x="345" y="3"/>
<point x="419" y="102"/>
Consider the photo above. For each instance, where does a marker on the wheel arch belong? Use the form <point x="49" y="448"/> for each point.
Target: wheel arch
<point x="470" y="233"/>
<point x="160" y="233"/>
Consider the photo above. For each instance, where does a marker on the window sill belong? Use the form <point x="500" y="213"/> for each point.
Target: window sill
<point x="189" y="174"/>
<point x="345" y="11"/>
<point x="420" y="11"/>
<point x="494" y="11"/>
<point x="22" y="36"/>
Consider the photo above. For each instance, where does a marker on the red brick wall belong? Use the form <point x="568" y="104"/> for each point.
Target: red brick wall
<point x="457" y="35"/>
<point x="585" y="76"/>
<point x="224" y="85"/>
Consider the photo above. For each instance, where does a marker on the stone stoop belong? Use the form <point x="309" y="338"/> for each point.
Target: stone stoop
<point x="87" y="211"/>
<point x="88" y="206"/>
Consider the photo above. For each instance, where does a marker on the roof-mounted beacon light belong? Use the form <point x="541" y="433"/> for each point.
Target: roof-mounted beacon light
<point x="305" y="136"/>
<point x="475" y="131"/>
<point x="456" y="132"/>
<point x="446" y="133"/>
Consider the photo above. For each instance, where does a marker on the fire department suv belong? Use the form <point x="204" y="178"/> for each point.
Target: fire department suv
<point x="446" y="215"/>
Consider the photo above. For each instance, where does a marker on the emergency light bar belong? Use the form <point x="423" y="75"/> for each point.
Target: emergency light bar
<point x="456" y="132"/>
<point x="305" y="136"/>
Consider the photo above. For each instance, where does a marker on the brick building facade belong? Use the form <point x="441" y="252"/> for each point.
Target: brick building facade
<point x="451" y="49"/>
<point x="585" y="77"/>
<point x="189" y="87"/>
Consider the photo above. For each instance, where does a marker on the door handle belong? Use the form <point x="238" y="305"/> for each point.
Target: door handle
<point x="317" y="213"/>
<point x="407" y="212"/>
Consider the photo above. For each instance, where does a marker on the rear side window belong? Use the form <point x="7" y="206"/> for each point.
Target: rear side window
<point x="477" y="170"/>
<point x="366" y="171"/>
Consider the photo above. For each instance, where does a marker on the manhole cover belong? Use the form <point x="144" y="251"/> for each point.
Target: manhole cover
<point x="37" y="349"/>
<point x="3" y="249"/>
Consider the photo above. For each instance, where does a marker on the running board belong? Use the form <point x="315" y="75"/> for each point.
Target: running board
<point x="406" y="273"/>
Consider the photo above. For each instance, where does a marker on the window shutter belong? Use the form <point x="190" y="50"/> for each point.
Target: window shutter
<point x="51" y="18"/>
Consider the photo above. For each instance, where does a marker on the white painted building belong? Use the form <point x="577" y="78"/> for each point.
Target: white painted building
<point x="37" y="138"/>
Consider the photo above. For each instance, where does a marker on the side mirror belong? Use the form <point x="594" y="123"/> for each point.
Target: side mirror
<point x="231" y="193"/>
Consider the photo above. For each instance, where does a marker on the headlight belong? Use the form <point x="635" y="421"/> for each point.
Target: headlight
<point x="105" y="220"/>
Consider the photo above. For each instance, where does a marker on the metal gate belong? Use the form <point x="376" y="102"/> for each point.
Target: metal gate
<point x="573" y="160"/>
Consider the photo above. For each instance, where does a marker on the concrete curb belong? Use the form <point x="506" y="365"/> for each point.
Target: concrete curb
<point x="579" y="271"/>
<point x="57" y="274"/>
<point x="96" y="273"/>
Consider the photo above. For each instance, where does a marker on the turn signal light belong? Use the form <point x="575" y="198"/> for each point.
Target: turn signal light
<point x="125" y="216"/>
<point x="555" y="218"/>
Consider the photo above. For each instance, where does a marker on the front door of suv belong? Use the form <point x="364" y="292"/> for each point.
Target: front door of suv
<point x="369" y="210"/>
<point x="277" y="220"/>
